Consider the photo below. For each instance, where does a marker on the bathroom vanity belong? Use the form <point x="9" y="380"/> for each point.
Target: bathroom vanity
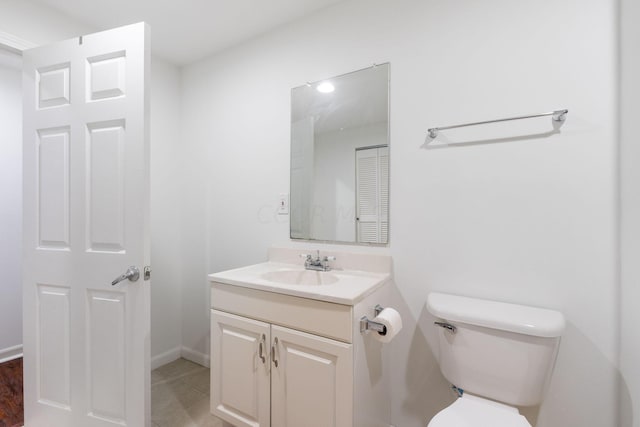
<point x="287" y="347"/>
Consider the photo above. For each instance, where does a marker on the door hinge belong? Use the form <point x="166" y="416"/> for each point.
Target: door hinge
<point x="147" y="272"/>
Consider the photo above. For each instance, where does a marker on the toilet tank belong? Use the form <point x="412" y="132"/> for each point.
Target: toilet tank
<point x="505" y="352"/>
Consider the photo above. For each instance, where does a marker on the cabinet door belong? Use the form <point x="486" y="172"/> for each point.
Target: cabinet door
<point x="312" y="384"/>
<point x="240" y="370"/>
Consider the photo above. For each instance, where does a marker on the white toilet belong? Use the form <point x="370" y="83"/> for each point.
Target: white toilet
<point x="498" y="355"/>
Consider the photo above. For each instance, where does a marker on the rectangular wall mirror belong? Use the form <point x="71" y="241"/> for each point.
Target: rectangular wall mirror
<point x="340" y="158"/>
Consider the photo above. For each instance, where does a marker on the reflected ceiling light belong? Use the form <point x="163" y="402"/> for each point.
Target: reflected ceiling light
<point x="325" y="87"/>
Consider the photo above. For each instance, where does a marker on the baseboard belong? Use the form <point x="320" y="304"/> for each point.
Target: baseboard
<point x="195" y="356"/>
<point x="7" y="354"/>
<point x="15" y="352"/>
<point x="166" y="357"/>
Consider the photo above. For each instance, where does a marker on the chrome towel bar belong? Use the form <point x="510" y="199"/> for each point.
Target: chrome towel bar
<point x="558" y="116"/>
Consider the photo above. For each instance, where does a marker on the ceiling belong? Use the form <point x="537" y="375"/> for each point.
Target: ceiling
<point x="185" y="31"/>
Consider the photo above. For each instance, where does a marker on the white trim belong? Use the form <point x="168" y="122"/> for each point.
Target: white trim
<point x="7" y="354"/>
<point x="166" y="357"/>
<point x="195" y="356"/>
<point x="14" y="43"/>
<point x="176" y="353"/>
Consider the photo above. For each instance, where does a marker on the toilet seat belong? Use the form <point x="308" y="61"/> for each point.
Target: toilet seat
<point x="474" y="411"/>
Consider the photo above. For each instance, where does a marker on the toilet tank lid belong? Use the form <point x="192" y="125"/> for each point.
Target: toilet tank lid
<point x="522" y="319"/>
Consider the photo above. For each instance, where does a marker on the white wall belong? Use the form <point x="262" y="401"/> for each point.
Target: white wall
<point x="529" y="220"/>
<point x="11" y="204"/>
<point x="166" y="285"/>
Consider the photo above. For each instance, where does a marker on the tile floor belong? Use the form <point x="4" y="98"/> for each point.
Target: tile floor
<point x="180" y="396"/>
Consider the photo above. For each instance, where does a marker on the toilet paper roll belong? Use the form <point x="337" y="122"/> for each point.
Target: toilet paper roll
<point x="392" y="320"/>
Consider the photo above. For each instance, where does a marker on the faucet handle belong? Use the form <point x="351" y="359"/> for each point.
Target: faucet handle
<point x="325" y="262"/>
<point x="305" y="256"/>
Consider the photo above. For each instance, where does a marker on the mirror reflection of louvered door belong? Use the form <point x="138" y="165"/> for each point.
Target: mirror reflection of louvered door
<point x="372" y="194"/>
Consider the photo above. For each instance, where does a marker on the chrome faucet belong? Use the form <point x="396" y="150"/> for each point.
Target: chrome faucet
<point x="317" y="264"/>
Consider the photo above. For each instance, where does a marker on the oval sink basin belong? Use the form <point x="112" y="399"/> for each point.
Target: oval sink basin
<point x="300" y="277"/>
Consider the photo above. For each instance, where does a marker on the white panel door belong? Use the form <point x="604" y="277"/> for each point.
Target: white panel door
<point x="311" y="380"/>
<point x="240" y="391"/>
<point x="86" y="209"/>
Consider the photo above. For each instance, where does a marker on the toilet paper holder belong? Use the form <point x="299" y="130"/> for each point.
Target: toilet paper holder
<point x="366" y="324"/>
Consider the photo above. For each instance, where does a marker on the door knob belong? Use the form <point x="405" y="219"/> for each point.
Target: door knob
<point x="132" y="274"/>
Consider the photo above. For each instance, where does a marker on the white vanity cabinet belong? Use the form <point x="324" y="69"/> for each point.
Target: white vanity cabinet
<point x="311" y="380"/>
<point x="265" y="374"/>
<point x="281" y="360"/>
<point x="240" y="378"/>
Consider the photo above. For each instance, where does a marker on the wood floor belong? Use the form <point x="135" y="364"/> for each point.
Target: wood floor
<point x="11" y="407"/>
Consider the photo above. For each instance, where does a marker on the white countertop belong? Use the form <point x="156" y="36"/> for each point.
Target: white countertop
<point x="351" y="286"/>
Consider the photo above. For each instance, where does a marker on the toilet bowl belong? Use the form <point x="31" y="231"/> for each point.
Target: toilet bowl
<point x="474" y="411"/>
<point x="500" y="356"/>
